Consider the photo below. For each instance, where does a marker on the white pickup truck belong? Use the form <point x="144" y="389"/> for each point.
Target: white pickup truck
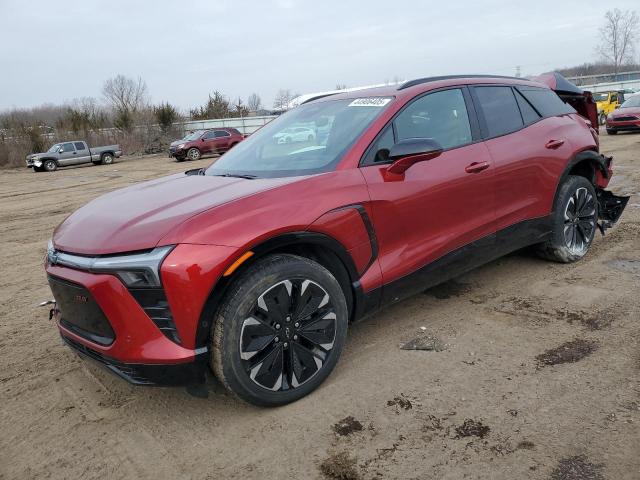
<point x="72" y="153"/>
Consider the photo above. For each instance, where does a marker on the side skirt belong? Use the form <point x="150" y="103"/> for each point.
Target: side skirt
<point x="455" y="263"/>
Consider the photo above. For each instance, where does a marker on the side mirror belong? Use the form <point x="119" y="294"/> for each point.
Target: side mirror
<point x="408" y="152"/>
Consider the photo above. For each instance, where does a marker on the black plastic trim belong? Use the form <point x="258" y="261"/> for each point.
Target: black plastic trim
<point x="373" y="240"/>
<point x="189" y="373"/>
<point x="459" y="261"/>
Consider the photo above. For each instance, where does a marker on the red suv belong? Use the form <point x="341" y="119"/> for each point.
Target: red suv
<point x="194" y="145"/>
<point x="256" y="265"/>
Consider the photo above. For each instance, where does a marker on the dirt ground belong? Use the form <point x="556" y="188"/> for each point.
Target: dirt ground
<point x="532" y="370"/>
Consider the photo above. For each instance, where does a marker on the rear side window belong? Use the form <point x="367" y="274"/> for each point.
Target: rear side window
<point x="79" y="145"/>
<point x="546" y="101"/>
<point x="221" y="133"/>
<point x="440" y="115"/>
<point x="500" y="110"/>
<point x="529" y="115"/>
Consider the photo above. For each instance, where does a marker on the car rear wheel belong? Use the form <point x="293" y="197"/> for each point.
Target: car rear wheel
<point x="107" y="159"/>
<point x="193" y="154"/>
<point x="574" y="221"/>
<point x="50" y="165"/>
<point x="279" y="331"/>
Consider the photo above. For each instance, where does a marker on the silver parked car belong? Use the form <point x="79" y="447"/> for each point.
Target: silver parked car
<point x="72" y="153"/>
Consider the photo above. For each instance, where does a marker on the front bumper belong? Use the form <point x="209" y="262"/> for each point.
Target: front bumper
<point x="33" y="163"/>
<point x="102" y="319"/>
<point x="623" y="126"/>
<point x="177" y="152"/>
<point x="146" y="374"/>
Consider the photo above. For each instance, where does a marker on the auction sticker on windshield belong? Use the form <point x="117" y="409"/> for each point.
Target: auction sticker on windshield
<point x="370" y="102"/>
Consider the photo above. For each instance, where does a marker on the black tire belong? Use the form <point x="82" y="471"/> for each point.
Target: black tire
<point x="193" y="154"/>
<point x="611" y="132"/>
<point x="106" y="159"/>
<point x="38" y="169"/>
<point x="270" y="356"/>
<point x="574" y="221"/>
<point x="50" y="165"/>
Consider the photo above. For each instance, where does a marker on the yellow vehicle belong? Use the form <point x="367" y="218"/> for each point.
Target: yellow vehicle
<point x="607" y="102"/>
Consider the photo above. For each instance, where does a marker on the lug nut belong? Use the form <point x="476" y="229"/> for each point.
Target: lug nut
<point x="277" y="339"/>
<point x="297" y="324"/>
<point x="288" y="319"/>
<point x="277" y="326"/>
<point x="295" y="337"/>
<point x="286" y="344"/>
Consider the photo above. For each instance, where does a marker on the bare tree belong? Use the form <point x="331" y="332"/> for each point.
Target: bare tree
<point x="127" y="97"/>
<point x="341" y="86"/>
<point x="254" y="102"/>
<point x="283" y="99"/>
<point x="618" y="36"/>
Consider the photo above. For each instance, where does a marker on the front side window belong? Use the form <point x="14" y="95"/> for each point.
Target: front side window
<point x="276" y="150"/>
<point x="209" y="135"/>
<point x="500" y="109"/>
<point x="441" y="116"/>
<point x="67" y="147"/>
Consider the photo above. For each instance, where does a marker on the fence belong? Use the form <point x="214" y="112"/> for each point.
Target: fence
<point x="246" y="125"/>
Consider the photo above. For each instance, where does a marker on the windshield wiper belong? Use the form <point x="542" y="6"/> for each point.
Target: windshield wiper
<point x="236" y="175"/>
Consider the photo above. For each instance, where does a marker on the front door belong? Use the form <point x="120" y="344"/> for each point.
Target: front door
<point x="67" y="154"/>
<point x="440" y="205"/>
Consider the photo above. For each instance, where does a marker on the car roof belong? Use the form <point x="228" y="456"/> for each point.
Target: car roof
<point x="412" y="87"/>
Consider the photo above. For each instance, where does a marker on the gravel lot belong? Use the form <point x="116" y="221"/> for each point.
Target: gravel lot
<point x="534" y="370"/>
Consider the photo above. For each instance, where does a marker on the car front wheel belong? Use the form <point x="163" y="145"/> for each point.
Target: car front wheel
<point x="574" y="221"/>
<point x="193" y="154"/>
<point x="279" y="331"/>
<point x="50" y="165"/>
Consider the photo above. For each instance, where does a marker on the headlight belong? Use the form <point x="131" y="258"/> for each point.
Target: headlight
<point x="181" y="146"/>
<point x="135" y="270"/>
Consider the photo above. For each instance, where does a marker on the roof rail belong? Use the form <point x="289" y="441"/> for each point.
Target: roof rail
<point x="419" y="81"/>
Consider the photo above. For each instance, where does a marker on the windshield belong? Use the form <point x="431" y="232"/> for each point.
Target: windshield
<point x="306" y="140"/>
<point x="193" y="136"/>
<point x="54" y="148"/>
<point x="600" y="97"/>
<point x="632" y="102"/>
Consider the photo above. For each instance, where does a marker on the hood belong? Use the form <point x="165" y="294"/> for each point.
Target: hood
<point x="177" y="142"/>
<point x="626" y="111"/>
<point x="138" y="217"/>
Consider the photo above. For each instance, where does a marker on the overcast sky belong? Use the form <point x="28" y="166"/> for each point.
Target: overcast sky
<point x="54" y="51"/>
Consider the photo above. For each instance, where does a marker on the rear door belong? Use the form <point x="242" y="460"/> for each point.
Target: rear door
<point x="82" y="152"/>
<point x="529" y="146"/>
<point x="67" y="154"/>
<point x="222" y="140"/>
<point x="439" y="205"/>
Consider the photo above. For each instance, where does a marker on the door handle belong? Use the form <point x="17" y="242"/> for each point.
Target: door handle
<point x="552" y="144"/>
<point x="476" y="167"/>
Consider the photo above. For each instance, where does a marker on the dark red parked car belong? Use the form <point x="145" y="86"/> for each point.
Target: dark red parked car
<point x="626" y="118"/>
<point x="194" y="145"/>
<point x="257" y="264"/>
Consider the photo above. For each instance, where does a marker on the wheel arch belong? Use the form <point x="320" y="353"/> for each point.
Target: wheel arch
<point x="585" y="164"/>
<point x="318" y="247"/>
